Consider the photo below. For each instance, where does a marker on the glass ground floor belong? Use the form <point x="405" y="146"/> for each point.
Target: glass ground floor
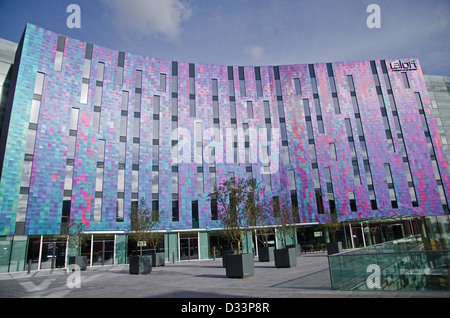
<point x="39" y="252"/>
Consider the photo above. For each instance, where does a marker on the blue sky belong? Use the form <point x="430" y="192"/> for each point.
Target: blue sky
<point x="249" y="32"/>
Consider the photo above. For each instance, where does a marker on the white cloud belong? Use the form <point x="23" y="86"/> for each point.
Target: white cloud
<point x="256" y="52"/>
<point x="149" y="17"/>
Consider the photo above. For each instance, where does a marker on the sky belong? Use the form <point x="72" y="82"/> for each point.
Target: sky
<point x="249" y="32"/>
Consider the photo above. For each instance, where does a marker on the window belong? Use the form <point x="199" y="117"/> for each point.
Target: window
<point x="119" y="210"/>
<point x="330" y="191"/>
<point x="212" y="178"/>
<point x="266" y="110"/>
<point x="155" y="182"/>
<point x="292" y="185"/>
<point x="312" y="76"/>
<point x="84" y="93"/>
<point x="192" y="110"/>
<point x="162" y="82"/>
<point x="214" y="210"/>
<point x="249" y="110"/>
<point x="337" y="108"/>
<point x="298" y="88"/>
<point x="34" y="113"/>
<point x="390" y="183"/>
<point x="195" y="221"/>
<point x="230" y="81"/>
<point x="175" y="182"/>
<point x="200" y="188"/>
<point x="351" y="197"/>
<point x="246" y="142"/>
<point x="122" y="152"/>
<point x="100" y="71"/>
<point x="155" y="129"/>
<point x="280" y="109"/>
<point x="71" y="146"/>
<point x="412" y="190"/>
<point x="155" y="155"/>
<point x="319" y="115"/>
<point x="259" y="91"/>
<point x="198" y="138"/>
<point x="59" y="53"/>
<point x="215" y="109"/>
<point x="405" y="79"/>
<point x="39" y="83"/>
<point x="286" y="158"/>
<point x="174" y="108"/>
<point x="156" y="105"/>
<point x="121" y="180"/>
<point x="99" y="180"/>
<point x="134" y="181"/>
<point x="175" y="211"/>
<point x="98" y="96"/>
<point x="232" y="110"/>
<point x="267" y="179"/>
<point x="72" y="133"/>
<point x="87" y="65"/>
<point x="241" y="80"/>
<point x="332" y="151"/>
<point x="120" y="65"/>
<point x="31" y="138"/>
<point x="356" y="174"/>
<point x="174" y="77"/>
<point x="22" y="207"/>
<point x="74" y="118"/>
<point x="276" y="73"/>
<point x="101" y="150"/>
<point x="283" y="129"/>
<point x="26" y="173"/>
<point x="351" y="84"/>
<point x="215" y="89"/>
<point x="138" y="80"/>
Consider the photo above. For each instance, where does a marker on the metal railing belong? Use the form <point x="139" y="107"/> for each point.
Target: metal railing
<point x="397" y="265"/>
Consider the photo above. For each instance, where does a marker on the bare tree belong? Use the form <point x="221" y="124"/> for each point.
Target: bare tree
<point x="334" y="225"/>
<point x="144" y="225"/>
<point x="286" y="216"/>
<point x="76" y="236"/>
<point x="239" y="207"/>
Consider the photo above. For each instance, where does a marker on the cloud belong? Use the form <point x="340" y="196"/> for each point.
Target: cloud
<point x="149" y="17"/>
<point x="256" y="52"/>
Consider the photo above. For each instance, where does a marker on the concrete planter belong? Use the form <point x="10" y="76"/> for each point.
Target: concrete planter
<point x="140" y="264"/>
<point x="81" y="261"/>
<point x="265" y="254"/>
<point x="334" y="248"/>
<point x="158" y="259"/>
<point x="239" y="265"/>
<point x="224" y="257"/>
<point x="285" y="257"/>
<point x="297" y="247"/>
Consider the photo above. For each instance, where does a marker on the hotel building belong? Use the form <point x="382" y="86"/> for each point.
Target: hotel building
<point x="89" y="131"/>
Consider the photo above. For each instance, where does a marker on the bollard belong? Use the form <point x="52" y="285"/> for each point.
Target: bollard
<point x="29" y="266"/>
<point x="173" y="257"/>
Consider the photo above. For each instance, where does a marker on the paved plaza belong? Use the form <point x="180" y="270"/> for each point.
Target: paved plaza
<point x="190" y="279"/>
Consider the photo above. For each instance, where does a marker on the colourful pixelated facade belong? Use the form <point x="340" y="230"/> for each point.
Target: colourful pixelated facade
<point x="91" y="131"/>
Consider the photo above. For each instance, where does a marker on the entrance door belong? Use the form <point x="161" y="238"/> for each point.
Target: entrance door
<point x="103" y="251"/>
<point x="188" y="247"/>
<point x="53" y="254"/>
